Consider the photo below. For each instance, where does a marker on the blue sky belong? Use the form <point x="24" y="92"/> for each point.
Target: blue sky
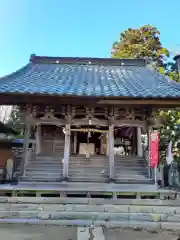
<point x="78" y="27"/>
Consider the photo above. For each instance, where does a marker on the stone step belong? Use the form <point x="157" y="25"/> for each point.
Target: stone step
<point x="46" y="163"/>
<point x="129" y="162"/>
<point x="110" y="208"/>
<point x="94" y="180"/>
<point x="89" y="166"/>
<point x="46" y="171"/>
<point x="87" y="175"/>
<point x="133" y="169"/>
<point x="133" y="181"/>
<point x="130" y="165"/>
<point x="43" y="174"/>
<point x="42" y="169"/>
<point x="87" y="161"/>
<point x="90" y="170"/>
<point x="128" y="157"/>
<point x="43" y="158"/>
<point x="130" y="173"/>
<point x="95" y="216"/>
<point x="39" y="179"/>
<point x="137" y="203"/>
<point x="46" y="160"/>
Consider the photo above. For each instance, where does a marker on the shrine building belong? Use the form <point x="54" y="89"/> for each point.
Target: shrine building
<point x="84" y="117"/>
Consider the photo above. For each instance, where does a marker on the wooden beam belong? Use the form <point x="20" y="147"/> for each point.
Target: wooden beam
<point x="154" y="102"/>
<point x="87" y="121"/>
<point x="131" y="123"/>
<point x="38" y="121"/>
<point x="19" y="98"/>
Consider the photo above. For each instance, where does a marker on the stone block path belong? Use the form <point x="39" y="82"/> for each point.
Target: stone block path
<point x="32" y="232"/>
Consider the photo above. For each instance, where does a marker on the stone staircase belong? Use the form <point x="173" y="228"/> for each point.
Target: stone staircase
<point x="148" y="213"/>
<point x="130" y="169"/>
<point x="43" y="169"/>
<point x="94" y="169"/>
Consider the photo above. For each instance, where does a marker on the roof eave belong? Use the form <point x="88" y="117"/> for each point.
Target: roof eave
<point x="19" y="98"/>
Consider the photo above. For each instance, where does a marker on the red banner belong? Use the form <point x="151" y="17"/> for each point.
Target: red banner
<point x="154" y="149"/>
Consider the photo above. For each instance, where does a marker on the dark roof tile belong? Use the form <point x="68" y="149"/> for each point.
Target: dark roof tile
<point x="89" y="77"/>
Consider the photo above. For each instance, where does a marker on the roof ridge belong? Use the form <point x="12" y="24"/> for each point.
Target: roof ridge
<point x="88" y="61"/>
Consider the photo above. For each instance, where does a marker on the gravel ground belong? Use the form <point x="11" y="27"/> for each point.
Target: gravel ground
<point x="29" y="232"/>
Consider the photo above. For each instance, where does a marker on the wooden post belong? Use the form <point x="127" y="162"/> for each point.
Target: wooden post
<point x="38" y="139"/>
<point x="66" y="151"/>
<point x="75" y="142"/>
<point x="25" y="149"/>
<point x="111" y="151"/>
<point x="139" y="143"/>
<point x="102" y="145"/>
<point x="107" y="143"/>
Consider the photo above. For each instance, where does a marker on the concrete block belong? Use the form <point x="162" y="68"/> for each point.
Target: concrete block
<point x="52" y="207"/>
<point x="146" y="202"/>
<point x="23" y="207"/>
<point x="170" y="226"/>
<point x="177" y="210"/>
<point x="74" y="215"/>
<point x="44" y="215"/>
<point x="140" y="209"/>
<point x="132" y="224"/>
<point x="84" y="208"/>
<point x="19" y="214"/>
<point x="164" y="210"/>
<point x="23" y="200"/>
<point x="118" y="216"/>
<point x="116" y="208"/>
<point x="4" y="206"/>
<point x="173" y="218"/>
<point x="73" y="201"/>
<point x="4" y="199"/>
<point x="100" y="201"/>
<point x="145" y="217"/>
<point x="46" y="200"/>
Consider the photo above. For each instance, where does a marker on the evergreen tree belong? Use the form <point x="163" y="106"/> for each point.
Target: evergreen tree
<point x="144" y="42"/>
<point x="16" y="121"/>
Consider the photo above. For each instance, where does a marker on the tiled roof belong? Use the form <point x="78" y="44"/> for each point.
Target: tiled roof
<point x="89" y="77"/>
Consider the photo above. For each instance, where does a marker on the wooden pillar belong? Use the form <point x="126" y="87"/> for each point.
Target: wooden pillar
<point x="134" y="142"/>
<point x="139" y="143"/>
<point x="66" y="151"/>
<point x="38" y="139"/>
<point x="75" y="142"/>
<point x="25" y="149"/>
<point x="102" y="145"/>
<point x="111" y="151"/>
<point x="107" y="143"/>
